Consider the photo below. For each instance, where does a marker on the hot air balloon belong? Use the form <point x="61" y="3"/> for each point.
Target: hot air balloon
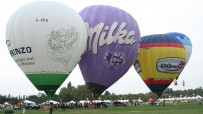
<point x="160" y="60"/>
<point x="112" y="46"/>
<point x="46" y="40"/>
<point x="186" y="42"/>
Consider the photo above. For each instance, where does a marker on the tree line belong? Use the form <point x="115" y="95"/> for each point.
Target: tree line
<point x="81" y="92"/>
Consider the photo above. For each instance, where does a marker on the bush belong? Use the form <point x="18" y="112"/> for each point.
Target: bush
<point x="9" y="112"/>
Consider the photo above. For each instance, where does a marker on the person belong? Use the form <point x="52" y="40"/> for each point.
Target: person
<point x="23" y="107"/>
<point x="174" y="102"/>
<point x="164" y="102"/>
<point x="135" y="103"/>
<point x="63" y="106"/>
<point x="51" y="108"/>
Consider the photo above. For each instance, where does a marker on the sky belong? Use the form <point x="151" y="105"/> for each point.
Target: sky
<point x="153" y="17"/>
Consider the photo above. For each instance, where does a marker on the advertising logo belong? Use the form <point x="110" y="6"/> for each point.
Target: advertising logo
<point x="114" y="59"/>
<point x="170" y="65"/>
<point x="60" y="44"/>
<point x="107" y="35"/>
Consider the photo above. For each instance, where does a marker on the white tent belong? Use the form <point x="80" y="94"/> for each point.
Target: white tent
<point x="140" y="100"/>
<point x="193" y="98"/>
<point x="28" y="102"/>
<point x="72" y="101"/>
<point x="107" y="101"/>
<point x="84" y="101"/>
<point x="199" y="97"/>
<point x="6" y="103"/>
<point x="51" y="101"/>
<point x="97" y="101"/>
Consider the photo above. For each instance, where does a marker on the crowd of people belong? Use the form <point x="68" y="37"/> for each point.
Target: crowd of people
<point x="75" y="105"/>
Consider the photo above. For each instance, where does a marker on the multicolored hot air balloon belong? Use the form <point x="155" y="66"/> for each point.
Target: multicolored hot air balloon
<point x="112" y="47"/>
<point x="46" y="40"/>
<point x="160" y="60"/>
<point x="186" y="42"/>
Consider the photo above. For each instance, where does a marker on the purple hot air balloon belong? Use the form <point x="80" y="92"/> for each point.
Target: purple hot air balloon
<point x="112" y="47"/>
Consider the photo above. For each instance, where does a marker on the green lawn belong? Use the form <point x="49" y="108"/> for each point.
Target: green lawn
<point x="180" y="108"/>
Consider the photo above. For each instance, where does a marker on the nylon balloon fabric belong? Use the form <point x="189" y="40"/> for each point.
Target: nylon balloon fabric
<point x="46" y="40"/>
<point x="160" y="60"/>
<point x="112" y="46"/>
<point x="186" y="42"/>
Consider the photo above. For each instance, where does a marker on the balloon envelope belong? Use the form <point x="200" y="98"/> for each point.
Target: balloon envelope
<point x="46" y="40"/>
<point x="113" y="43"/>
<point x="160" y="60"/>
<point x="186" y="42"/>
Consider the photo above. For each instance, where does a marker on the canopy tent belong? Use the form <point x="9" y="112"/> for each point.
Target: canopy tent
<point x="199" y="97"/>
<point x="51" y="101"/>
<point x="150" y="100"/>
<point x="107" y="101"/>
<point x="139" y="100"/>
<point x="84" y="101"/>
<point x="28" y="102"/>
<point x="6" y="104"/>
<point x="72" y="101"/>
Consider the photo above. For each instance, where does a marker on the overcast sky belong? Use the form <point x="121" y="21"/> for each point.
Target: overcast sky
<point x="153" y="16"/>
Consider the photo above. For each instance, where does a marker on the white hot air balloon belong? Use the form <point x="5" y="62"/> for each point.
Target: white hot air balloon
<point x="46" y="40"/>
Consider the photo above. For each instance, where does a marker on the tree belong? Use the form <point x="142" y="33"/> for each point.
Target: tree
<point x="69" y="85"/>
<point x="3" y="99"/>
<point x="13" y="100"/>
<point x="113" y="96"/>
<point x="62" y="94"/>
<point x="41" y="98"/>
<point x="81" y="93"/>
<point x="107" y="93"/>
<point x="33" y="98"/>
<point x="74" y="93"/>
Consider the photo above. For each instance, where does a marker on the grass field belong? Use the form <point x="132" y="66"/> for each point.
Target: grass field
<point x="180" y="108"/>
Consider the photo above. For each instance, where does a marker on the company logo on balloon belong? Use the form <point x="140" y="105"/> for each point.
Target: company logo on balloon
<point x="104" y="34"/>
<point x="114" y="59"/>
<point x="61" y="43"/>
<point x="20" y="50"/>
<point x="170" y="65"/>
<point x="17" y="51"/>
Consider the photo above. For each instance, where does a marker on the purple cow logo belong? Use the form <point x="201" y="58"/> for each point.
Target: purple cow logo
<point x="115" y="59"/>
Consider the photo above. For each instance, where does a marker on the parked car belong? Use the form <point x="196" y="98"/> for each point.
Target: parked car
<point x="107" y="104"/>
<point x="32" y="106"/>
<point x="118" y="103"/>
